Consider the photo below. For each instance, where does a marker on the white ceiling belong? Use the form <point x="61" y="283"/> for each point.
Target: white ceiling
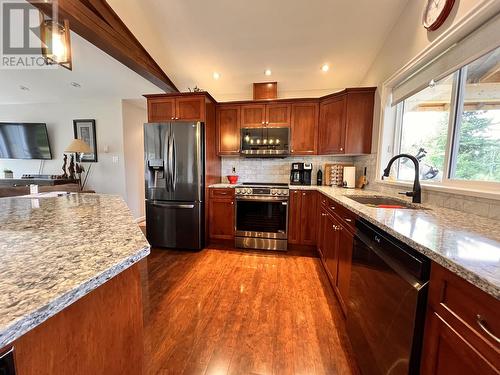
<point x="99" y="75"/>
<point x="191" y="39"/>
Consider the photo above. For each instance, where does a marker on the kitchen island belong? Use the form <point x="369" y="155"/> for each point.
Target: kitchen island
<point x="70" y="287"/>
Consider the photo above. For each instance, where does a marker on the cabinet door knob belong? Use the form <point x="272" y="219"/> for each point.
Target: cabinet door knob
<point x="177" y="118"/>
<point x="232" y="202"/>
<point x="332" y="207"/>
<point x="267" y="122"/>
<point x="173" y="118"/>
<point x="263" y="122"/>
<point x="341" y="149"/>
<point x="303" y="193"/>
<point x="291" y="150"/>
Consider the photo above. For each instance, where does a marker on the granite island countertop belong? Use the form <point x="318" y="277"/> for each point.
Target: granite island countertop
<point x="54" y="251"/>
<point x="467" y="245"/>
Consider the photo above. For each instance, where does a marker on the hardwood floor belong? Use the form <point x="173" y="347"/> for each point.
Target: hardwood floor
<point x="230" y="312"/>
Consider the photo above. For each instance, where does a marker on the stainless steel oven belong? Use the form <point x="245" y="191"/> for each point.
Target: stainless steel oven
<point x="262" y="217"/>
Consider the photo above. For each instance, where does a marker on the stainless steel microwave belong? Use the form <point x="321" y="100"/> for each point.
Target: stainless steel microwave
<point x="265" y="142"/>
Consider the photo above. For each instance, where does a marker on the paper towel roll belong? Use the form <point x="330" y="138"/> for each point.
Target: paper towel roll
<point x="350" y="177"/>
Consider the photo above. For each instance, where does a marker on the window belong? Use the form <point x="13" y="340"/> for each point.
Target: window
<point x="453" y="126"/>
<point x="476" y="153"/>
<point x="424" y="128"/>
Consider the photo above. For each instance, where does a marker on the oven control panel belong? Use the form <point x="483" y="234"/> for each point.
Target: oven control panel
<point x="262" y="191"/>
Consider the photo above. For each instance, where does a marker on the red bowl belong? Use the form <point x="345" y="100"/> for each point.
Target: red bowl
<point x="232" y="179"/>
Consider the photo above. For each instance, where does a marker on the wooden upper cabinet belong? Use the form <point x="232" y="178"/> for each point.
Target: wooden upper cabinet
<point x="346" y="122"/>
<point x="304" y="128"/>
<point x="161" y="109"/>
<point x="258" y="115"/>
<point x="332" y="125"/>
<point x="171" y="108"/>
<point x="278" y="114"/>
<point x="190" y="108"/>
<point x="228" y="129"/>
<point x="359" y="122"/>
<point x="253" y="115"/>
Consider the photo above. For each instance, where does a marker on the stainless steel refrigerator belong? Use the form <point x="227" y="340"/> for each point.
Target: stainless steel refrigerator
<point x="174" y="159"/>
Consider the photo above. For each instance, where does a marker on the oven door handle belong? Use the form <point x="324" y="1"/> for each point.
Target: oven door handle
<point x="263" y="199"/>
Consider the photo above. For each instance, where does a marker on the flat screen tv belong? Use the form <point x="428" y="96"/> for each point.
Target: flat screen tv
<point x="24" y="141"/>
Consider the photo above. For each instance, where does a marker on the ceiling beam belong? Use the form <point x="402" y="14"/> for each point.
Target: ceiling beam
<point x="97" y="22"/>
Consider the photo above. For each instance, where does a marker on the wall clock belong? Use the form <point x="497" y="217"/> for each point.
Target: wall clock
<point x="436" y="12"/>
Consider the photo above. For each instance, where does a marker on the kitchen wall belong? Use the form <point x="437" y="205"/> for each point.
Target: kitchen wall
<point x="274" y="170"/>
<point x="134" y="115"/>
<point x="409" y="40"/>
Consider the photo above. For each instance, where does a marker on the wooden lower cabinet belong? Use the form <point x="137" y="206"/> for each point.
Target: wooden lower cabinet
<point x="101" y="333"/>
<point x="335" y="241"/>
<point x="221" y="214"/>
<point x="344" y="254"/>
<point x="455" y="342"/>
<point x="302" y="216"/>
<point x="450" y="353"/>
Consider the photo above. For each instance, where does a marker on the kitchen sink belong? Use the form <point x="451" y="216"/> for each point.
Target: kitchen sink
<point x="384" y="202"/>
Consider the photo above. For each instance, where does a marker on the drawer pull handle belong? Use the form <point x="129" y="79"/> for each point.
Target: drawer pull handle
<point x="332" y="207"/>
<point x="482" y="324"/>
<point x="348" y="220"/>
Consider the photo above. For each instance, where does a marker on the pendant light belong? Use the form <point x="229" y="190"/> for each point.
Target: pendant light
<point x="56" y="43"/>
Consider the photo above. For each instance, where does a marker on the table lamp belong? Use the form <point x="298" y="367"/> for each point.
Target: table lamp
<point x="79" y="147"/>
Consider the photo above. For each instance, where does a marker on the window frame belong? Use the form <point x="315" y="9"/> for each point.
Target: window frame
<point x="452" y="144"/>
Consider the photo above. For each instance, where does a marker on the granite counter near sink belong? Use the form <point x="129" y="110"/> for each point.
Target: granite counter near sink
<point x="54" y="251"/>
<point x="465" y="244"/>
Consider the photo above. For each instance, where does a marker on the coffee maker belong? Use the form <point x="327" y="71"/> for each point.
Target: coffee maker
<point x="300" y="174"/>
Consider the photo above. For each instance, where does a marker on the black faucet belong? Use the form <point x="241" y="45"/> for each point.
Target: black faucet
<point x="416" y="194"/>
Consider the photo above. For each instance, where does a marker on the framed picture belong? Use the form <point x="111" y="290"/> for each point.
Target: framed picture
<point x="85" y="130"/>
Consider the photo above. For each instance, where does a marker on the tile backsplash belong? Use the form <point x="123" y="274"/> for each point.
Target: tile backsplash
<point x="274" y="170"/>
<point x="278" y="170"/>
<point x="485" y="207"/>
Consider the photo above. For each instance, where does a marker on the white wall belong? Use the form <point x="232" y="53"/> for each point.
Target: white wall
<point x="134" y="114"/>
<point x="107" y="175"/>
<point x="408" y="39"/>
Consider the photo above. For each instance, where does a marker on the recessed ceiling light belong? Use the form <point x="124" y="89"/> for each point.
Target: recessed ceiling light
<point x="75" y="84"/>
<point x="325" y="67"/>
<point x="268" y="72"/>
<point x="24" y="88"/>
<point x="216" y="75"/>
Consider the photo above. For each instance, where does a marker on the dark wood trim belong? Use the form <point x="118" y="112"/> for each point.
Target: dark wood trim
<point x="97" y="22"/>
<point x="267" y="101"/>
<point x="347" y="91"/>
<point x="199" y="93"/>
<point x="271" y="101"/>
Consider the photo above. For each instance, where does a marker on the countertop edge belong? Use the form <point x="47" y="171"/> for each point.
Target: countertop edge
<point x="34" y="319"/>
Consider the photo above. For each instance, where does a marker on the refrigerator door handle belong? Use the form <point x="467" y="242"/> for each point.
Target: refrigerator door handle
<point x="170" y="161"/>
<point x="174" y="164"/>
<point x="166" y="205"/>
<point x="166" y="173"/>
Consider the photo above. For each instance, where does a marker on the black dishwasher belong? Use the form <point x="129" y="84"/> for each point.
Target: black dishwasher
<point x="387" y="300"/>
